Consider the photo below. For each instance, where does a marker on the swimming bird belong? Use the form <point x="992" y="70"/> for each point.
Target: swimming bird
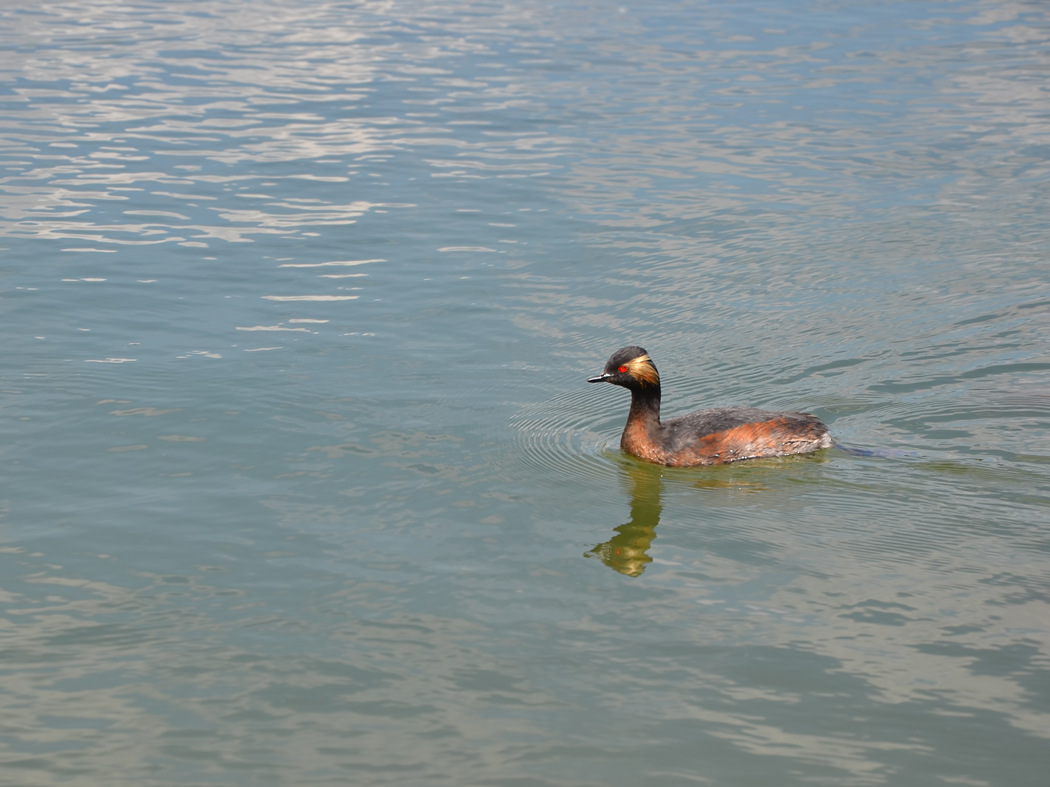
<point x="706" y="437"/>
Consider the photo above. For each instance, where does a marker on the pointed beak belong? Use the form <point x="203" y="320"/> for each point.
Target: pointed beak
<point x="601" y="378"/>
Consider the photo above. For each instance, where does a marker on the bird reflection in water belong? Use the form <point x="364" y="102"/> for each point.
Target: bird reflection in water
<point x="627" y="551"/>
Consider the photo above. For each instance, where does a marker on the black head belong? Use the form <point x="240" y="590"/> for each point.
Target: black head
<point x="630" y="367"/>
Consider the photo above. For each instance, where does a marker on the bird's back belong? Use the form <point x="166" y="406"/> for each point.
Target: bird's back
<point x="728" y="434"/>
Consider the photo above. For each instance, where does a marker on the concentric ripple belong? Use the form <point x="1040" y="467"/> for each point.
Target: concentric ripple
<point x="573" y="434"/>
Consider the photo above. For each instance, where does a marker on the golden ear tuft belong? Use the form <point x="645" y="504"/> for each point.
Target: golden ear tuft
<point x="642" y="370"/>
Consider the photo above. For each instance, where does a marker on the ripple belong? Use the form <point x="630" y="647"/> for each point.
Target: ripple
<point x="571" y="434"/>
<point x="310" y="297"/>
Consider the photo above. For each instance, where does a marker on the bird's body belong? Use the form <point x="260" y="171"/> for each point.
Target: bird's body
<point x="706" y="437"/>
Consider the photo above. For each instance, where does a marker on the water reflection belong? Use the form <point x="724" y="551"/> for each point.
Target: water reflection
<point x="627" y="551"/>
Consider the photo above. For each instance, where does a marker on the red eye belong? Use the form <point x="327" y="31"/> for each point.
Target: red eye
<point x="623" y="369"/>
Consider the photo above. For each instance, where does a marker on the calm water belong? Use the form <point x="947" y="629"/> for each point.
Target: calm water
<point x="303" y="484"/>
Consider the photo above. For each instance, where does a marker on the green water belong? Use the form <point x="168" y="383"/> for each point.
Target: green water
<point x="303" y="482"/>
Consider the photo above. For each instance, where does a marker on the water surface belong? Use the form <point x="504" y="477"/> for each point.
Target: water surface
<point x="303" y="482"/>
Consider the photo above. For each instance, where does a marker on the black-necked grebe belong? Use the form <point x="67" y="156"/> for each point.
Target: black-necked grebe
<point x="706" y="437"/>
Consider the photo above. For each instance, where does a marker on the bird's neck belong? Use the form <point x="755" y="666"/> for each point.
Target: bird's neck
<point x="645" y="407"/>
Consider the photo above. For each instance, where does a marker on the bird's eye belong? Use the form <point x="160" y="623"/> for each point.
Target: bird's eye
<point x="623" y="369"/>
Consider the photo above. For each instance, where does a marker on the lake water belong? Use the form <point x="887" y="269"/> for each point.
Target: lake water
<point x="303" y="483"/>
